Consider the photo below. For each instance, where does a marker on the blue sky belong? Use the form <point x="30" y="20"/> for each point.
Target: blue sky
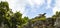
<point x="32" y="8"/>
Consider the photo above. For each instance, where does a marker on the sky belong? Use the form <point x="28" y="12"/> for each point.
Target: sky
<point x="32" y="8"/>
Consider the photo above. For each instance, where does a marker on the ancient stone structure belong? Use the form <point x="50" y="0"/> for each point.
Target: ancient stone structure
<point x="36" y="24"/>
<point x="57" y="23"/>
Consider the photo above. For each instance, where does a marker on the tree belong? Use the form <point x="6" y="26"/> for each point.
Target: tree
<point x="54" y="17"/>
<point x="5" y="13"/>
<point x="17" y="19"/>
<point x="10" y="19"/>
<point x="25" y="19"/>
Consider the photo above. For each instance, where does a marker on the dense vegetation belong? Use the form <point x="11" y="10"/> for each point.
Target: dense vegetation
<point x="8" y="19"/>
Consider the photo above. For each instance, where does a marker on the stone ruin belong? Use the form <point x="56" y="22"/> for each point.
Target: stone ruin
<point x="57" y="23"/>
<point x="36" y="24"/>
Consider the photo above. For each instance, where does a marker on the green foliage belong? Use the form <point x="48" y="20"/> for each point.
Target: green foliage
<point x="56" y="15"/>
<point x="43" y="18"/>
<point x="26" y="19"/>
<point x="10" y="18"/>
<point x="3" y="13"/>
<point x="18" y="15"/>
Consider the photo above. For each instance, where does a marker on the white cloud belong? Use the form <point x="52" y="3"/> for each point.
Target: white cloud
<point x="19" y="5"/>
<point x="57" y="7"/>
<point x="48" y="4"/>
<point x="2" y="0"/>
<point x="35" y="4"/>
<point x="38" y="2"/>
